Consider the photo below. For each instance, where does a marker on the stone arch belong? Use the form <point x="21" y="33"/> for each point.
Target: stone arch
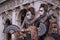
<point x="17" y="16"/>
<point x="22" y="13"/>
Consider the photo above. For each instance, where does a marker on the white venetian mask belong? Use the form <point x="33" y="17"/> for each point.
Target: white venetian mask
<point x="28" y="15"/>
<point x="41" y="11"/>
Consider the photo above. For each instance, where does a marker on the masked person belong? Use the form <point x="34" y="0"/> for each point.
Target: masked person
<point x="24" y="11"/>
<point x="30" y="12"/>
<point x="41" y="21"/>
<point x="29" y="16"/>
<point x="27" y="19"/>
<point x="27" y="7"/>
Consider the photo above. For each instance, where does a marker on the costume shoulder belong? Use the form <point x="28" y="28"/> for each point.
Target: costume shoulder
<point x="48" y="16"/>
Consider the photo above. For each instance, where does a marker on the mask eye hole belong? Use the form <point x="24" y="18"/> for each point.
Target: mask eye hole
<point x="27" y="14"/>
<point x="41" y="10"/>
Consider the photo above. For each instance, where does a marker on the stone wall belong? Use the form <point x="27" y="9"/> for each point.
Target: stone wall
<point x="2" y="35"/>
<point x="11" y="12"/>
<point x="11" y="4"/>
<point x="1" y="1"/>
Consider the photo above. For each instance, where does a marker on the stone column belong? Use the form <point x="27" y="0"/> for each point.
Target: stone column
<point x="15" y="15"/>
<point x="2" y="35"/>
<point x="18" y="16"/>
<point x="15" y="21"/>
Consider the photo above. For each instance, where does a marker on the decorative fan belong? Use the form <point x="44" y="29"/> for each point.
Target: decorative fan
<point x="42" y="29"/>
<point x="11" y="27"/>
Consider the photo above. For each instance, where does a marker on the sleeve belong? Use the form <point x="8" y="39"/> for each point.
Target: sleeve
<point x="49" y="16"/>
